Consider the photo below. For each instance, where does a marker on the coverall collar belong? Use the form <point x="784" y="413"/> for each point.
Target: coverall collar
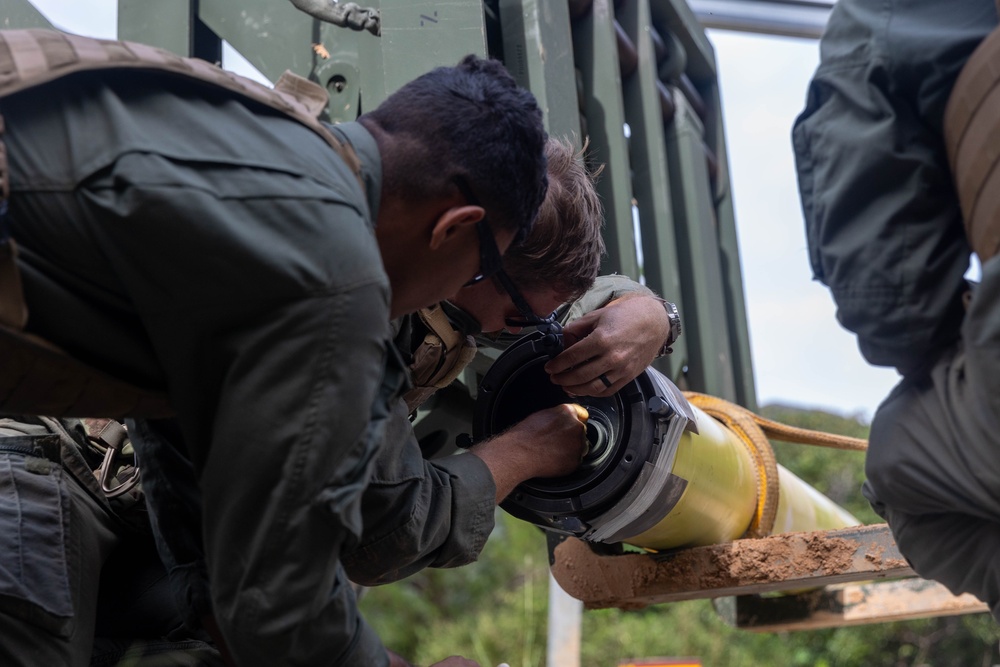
<point x="365" y="146"/>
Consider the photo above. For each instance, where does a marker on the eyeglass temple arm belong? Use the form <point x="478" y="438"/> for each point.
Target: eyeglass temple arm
<point x="552" y="340"/>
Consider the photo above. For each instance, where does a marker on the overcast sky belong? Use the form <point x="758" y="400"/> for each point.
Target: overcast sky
<point x="801" y="355"/>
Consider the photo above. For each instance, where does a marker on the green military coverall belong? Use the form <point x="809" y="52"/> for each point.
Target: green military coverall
<point x="439" y="513"/>
<point x="885" y="234"/>
<point x="218" y="251"/>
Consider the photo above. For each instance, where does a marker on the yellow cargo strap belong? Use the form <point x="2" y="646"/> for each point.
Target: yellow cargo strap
<point x="972" y="135"/>
<point x="754" y="431"/>
<point x="36" y="377"/>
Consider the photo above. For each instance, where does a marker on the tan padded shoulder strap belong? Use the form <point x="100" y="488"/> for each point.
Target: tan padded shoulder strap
<point x="438" y="322"/>
<point x="972" y="135"/>
<point x="35" y="56"/>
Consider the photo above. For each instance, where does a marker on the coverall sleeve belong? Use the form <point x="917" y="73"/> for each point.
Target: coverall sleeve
<point x="882" y="221"/>
<point x="277" y="360"/>
<point x="605" y="290"/>
<point x="419" y="513"/>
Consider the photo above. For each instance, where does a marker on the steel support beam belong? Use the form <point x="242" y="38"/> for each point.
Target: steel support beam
<point x="595" y="51"/>
<point x="704" y="288"/>
<point x="538" y="51"/>
<point x="847" y="604"/>
<point x="788" y="18"/>
<point x="734" y="294"/>
<point x="651" y="175"/>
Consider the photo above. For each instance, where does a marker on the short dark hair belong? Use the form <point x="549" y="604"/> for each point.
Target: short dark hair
<point x="470" y="121"/>
<point x="565" y="246"/>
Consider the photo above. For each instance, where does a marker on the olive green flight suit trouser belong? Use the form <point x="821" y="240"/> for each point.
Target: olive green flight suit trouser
<point x="72" y="568"/>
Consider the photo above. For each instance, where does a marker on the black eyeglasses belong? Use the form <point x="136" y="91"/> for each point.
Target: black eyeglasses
<point x="552" y="338"/>
<point x="490" y="260"/>
<point x="491" y="265"/>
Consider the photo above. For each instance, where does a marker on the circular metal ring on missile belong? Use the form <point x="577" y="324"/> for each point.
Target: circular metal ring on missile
<point x="620" y="433"/>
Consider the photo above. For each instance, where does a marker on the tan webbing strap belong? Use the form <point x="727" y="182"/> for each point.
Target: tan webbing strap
<point x="310" y="95"/>
<point x="315" y="100"/>
<point x="754" y="431"/>
<point x="741" y="422"/>
<point x="26" y="55"/>
<point x="437" y="321"/>
<point x="972" y="141"/>
<point x="35" y="56"/>
<point x="459" y="350"/>
<point x="441" y="356"/>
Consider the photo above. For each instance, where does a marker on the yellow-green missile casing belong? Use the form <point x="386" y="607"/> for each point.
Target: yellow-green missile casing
<point x="719" y="501"/>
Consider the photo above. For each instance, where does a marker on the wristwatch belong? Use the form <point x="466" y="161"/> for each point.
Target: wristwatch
<point x="675" y="328"/>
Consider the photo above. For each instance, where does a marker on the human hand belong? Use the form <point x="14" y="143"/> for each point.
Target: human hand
<point x="548" y="443"/>
<point x="616" y="342"/>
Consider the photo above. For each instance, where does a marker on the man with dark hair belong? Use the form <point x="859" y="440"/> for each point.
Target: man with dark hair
<point x="438" y="513"/>
<point x="450" y="126"/>
<point x="886" y="234"/>
<point x="216" y="249"/>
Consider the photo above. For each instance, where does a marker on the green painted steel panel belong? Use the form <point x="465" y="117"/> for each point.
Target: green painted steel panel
<point x="416" y="38"/>
<point x="705" y="315"/>
<point x="272" y="36"/>
<point x="735" y="295"/>
<point x="18" y="14"/>
<point x="168" y="24"/>
<point x="538" y="51"/>
<point x="596" y="53"/>
<point x="674" y="16"/>
<point x="275" y="36"/>
<point x="651" y="174"/>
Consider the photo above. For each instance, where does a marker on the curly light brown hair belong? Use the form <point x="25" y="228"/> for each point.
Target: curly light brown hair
<point x="564" y="249"/>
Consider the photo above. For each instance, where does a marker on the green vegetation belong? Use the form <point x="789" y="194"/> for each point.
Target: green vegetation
<point x="495" y="610"/>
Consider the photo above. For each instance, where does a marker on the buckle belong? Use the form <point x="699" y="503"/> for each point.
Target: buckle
<point x="113" y="438"/>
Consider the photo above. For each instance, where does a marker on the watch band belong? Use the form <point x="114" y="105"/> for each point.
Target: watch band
<point x="674" y="333"/>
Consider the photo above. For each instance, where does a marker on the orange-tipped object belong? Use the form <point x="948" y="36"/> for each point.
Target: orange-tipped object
<point x="581" y="412"/>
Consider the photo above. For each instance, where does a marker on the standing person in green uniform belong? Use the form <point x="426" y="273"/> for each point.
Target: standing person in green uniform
<point x="217" y="251"/>
<point x="886" y="235"/>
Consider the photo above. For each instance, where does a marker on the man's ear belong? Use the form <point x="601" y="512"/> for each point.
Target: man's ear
<point x="454" y="220"/>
